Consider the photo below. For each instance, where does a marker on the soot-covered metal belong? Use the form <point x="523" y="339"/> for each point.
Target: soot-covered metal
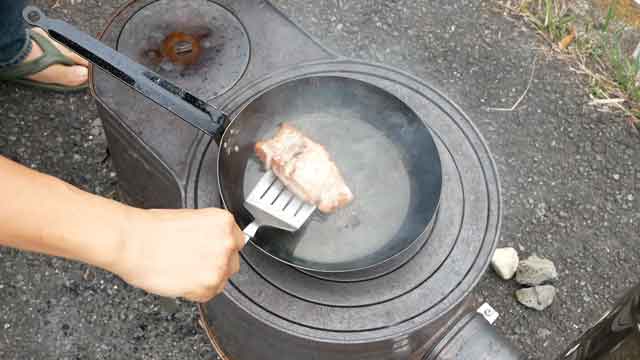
<point x="196" y="44"/>
<point x="404" y="310"/>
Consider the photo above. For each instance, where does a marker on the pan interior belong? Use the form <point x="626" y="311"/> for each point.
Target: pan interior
<point x="386" y="155"/>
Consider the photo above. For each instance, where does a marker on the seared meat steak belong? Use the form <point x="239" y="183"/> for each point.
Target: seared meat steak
<point x="305" y="168"/>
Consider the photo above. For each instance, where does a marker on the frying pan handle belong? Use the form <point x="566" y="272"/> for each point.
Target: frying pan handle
<point x="183" y="104"/>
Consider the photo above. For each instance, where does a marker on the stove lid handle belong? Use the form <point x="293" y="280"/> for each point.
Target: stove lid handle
<point x="173" y="98"/>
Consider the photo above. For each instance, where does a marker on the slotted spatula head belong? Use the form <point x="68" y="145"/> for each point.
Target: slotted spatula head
<point x="271" y="204"/>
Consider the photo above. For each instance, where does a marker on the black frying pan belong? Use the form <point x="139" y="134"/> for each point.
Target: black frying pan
<point x="385" y="152"/>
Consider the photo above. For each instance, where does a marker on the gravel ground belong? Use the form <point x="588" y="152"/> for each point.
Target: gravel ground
<point x="570" y="178"/>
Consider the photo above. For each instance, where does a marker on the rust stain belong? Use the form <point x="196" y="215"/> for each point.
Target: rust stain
<point x="178" y="47"/>
<point x="187" y="55"/>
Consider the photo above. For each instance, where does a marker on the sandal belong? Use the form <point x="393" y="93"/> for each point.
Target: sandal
<point x="50" y="56"/>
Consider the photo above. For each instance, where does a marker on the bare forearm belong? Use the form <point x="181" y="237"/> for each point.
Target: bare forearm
<point x="43" y="214"/>
<point x="167" y="252"/>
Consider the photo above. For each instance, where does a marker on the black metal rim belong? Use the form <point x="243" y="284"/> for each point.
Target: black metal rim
<point x="353" y="274"/>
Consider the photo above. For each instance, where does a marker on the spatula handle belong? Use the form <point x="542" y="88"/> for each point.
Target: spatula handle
<point x="250" y="231"/>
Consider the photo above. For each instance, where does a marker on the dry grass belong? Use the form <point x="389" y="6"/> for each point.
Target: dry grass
<point x="595" y="51"/>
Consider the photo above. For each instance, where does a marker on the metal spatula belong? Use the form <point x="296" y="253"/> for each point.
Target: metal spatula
<point x="271" y="204"/>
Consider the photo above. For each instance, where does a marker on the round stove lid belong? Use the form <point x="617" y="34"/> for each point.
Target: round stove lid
<point x="196" y="44"/>
<point x="436" y="279"/>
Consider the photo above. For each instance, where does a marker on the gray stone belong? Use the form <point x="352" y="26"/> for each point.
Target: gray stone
<point x="543" y="333"/>
<point x="538" y="298"/>
<point x="505" y="262"/>
<point x="536" y="271"/>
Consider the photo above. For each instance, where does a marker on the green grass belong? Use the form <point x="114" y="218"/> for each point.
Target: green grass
<point x="603" y="46"/>
<point x="549" y="17"/>
<point x="623" y="68"/>
<point x="609" y="17"/>
<point x="598" y="51"/>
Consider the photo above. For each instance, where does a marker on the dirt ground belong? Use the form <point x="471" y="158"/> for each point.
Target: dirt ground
<point x="570" y="178"/>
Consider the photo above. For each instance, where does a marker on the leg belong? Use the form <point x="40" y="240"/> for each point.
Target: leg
<point x="15" y="45"/>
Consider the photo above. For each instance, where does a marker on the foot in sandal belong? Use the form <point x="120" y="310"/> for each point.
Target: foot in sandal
<point x="49" y="65"/>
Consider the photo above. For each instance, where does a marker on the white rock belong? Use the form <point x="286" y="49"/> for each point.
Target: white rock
<point x="505" y="262"/>
<point x="539" y="297"/>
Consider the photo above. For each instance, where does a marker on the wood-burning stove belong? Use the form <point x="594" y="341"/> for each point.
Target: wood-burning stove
<point x="419" y="309"/>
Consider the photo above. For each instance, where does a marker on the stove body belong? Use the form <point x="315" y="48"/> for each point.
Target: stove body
<point x="269" y="310"/>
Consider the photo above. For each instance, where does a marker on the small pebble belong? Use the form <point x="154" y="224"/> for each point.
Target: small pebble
<point x="536" y="271"/>
<point x="505" y="262"/>
<point x="541" y="209"/>
<point x="543" y="333"/>
<point x="538" y="298"/>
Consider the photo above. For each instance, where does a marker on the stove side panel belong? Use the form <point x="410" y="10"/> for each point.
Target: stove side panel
<point x="143" y="180"/>
<point x="238" y="335"/>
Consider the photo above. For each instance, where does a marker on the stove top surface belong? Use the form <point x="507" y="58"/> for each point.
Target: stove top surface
<point x="198" y="45"/>
<point x="429" y="284"/>
<point x="404" y="297"/>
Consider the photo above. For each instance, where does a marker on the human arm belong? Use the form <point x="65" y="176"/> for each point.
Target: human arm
<point x="176" y="253"/>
